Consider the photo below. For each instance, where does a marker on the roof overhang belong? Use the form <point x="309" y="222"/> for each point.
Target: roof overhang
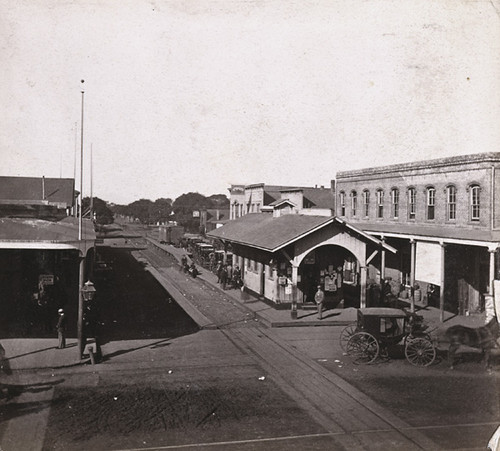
<point x="328" y="221"/>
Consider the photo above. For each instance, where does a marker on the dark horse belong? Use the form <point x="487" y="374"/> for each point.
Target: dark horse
<point x="483" y="338"/>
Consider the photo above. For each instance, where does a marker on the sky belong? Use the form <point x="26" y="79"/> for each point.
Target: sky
<point x="192" y="95"/>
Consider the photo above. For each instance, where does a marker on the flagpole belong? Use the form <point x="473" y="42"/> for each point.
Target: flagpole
<point x="80" y="220"/>
<point x="81" y="275"/>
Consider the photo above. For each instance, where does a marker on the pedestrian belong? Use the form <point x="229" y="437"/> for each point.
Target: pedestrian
<point x="219" y="271"/>
<point x="237" y="276"/>
<point x="229" y="274"/>
<point x="319" y="297"/>
<point x="223" y="277"/>
<point x="61" y="329"/>
<point x="183" y="263"/>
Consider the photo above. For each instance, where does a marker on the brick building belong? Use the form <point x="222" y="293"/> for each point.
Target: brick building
<point x="443" y="217"/>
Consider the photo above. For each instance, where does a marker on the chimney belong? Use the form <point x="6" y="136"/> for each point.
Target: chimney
<point x="43" y="187"/>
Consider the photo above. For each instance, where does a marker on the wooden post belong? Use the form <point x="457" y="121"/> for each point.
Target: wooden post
<point x="412" y="274"/>
<point x="81" y="344"/>
<point x="441" y="292"/>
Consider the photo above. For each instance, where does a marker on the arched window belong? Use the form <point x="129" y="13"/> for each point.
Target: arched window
<point x="380" y="203"/>
<point x="395" y="203"/>
<point x="354" y="202"/>
<point x="412" y="203"/>
<point x="451" y="203"/>
<point x="366" y="203"/>
<point x="474" y="202"/>
<point x="431" y="203"/>
<point x="342" y="203"/>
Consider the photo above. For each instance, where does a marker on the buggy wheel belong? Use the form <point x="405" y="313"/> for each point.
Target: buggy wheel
<point x="363" y="347"/>
<point x="346" y="333"/>
<point x="420" y="352"/>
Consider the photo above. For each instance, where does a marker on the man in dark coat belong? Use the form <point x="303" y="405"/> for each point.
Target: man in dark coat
<point x="61" y="329"/>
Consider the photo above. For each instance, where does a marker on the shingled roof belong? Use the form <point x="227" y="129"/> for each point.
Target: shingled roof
<point x="262" y="231"/>
<point x="268" y="233"/>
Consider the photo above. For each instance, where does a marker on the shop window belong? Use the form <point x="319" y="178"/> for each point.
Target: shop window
<point x="412" y="205"/>
<point x="342" y="203"/>
<point x="366" y="203"/>
<point x="474" y="202"/>
<point x="380" y="204"/>
<point x="431" y="203"/>
<point x="451" y="203"/>
<point x="395" y="203"/>
<point x="354" y="203"/>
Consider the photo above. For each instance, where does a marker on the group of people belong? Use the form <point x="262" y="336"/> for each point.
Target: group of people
<point x="228" y="276"/>
<point x="190" y="269"/>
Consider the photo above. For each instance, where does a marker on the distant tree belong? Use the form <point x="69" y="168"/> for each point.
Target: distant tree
<point x="186" y="206"/>
<point x="103" y="213"/>
<point x="218" y="201"/>
<point x="141" y="209"/>
<point x="161" y="210"/>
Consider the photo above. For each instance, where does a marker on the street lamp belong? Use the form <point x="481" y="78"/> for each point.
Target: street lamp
<point x="88" y="291"/>
<point x="87" y="294"/>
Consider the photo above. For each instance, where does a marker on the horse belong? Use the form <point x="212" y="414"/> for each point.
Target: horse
<point x="483" y="338"/>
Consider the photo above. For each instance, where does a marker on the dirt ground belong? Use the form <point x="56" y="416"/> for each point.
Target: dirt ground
<point x="118" y="411"/>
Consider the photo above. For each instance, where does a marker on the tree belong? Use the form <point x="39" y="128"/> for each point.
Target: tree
<point x="161" y="210"/>
<point x="103" y="213"/>
<point x="185" y="208"/>
<point x="218" y="201"/>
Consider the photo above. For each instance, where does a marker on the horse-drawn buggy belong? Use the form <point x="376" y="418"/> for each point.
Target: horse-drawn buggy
<point x="378" y="329"/>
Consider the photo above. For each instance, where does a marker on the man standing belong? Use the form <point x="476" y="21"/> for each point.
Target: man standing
<point x="319" y="297"/>
<point x="61" y="329"/>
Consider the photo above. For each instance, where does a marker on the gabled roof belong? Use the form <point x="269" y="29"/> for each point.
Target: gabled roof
<point x="262" y="231"/>
<point x="279" y="202"/>
<point x="35" y="190"/>
<point x="265" y="232"/>
<point x="320" y="197"/>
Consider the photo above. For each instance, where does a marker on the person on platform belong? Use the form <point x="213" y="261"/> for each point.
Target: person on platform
<point x="61" y="329"/>
<point x="223" y="277"/>
<point x="319" y="298"/>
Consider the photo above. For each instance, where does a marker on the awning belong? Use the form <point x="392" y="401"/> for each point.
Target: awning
<point x="28" y="233"/>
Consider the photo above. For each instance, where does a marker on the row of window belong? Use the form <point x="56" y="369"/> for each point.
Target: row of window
<point x="430" y="203"/>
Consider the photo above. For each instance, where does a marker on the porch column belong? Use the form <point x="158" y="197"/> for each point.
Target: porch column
<point x="441" y="291"/>
<point x="295" y="274"/>
<point x="260" y="272"/>
<point x="362" y="283"/>
<point x="492" y="252"/>
<point x="81" y="281"/>
<point x="413" y="245"/>
<point x="382" y="260"/>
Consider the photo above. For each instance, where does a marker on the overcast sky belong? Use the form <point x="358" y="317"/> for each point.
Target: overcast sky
<point x="197" y="95"/>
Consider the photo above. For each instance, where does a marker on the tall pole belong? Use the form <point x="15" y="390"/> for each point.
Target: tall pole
<point x="91" y="182"/>
<point x="80" y="220"/>
<point x="81" y="275"/>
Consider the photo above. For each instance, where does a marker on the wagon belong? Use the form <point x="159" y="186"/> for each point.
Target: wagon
<point x="377" y="329"/>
